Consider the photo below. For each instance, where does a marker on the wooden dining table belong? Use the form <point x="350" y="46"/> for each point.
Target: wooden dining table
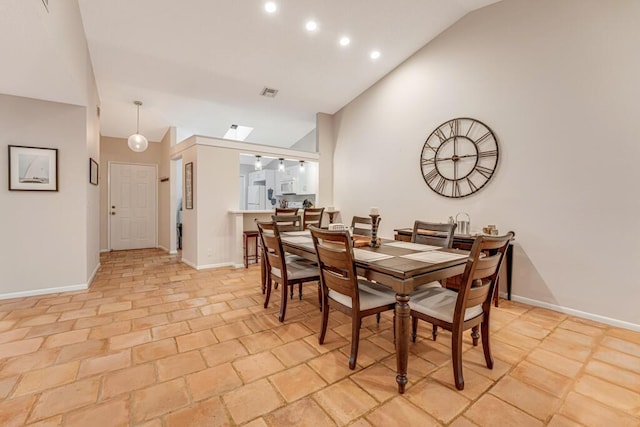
<point x="401" y="266"/>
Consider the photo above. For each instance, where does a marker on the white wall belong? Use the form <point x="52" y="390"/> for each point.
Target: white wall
<point x="557" y="81"/>
<point x="44" y="233"/>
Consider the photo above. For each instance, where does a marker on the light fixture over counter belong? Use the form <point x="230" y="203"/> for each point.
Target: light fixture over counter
<point x="137" y="142"/>
<point x="258" y="165"/>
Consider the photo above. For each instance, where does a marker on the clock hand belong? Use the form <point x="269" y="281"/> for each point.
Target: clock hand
<point x="456" y="158"/>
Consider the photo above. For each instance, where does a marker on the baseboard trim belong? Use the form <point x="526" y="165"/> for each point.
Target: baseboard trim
<point x="93" y="275"/>
<point x="578" y="313"/>
<point x="173" y="252"/>
<point x="219" y="265"/>
<point x="44" y="291"/>
<point x="104" y="250"/>
<point x="163" y="248"/>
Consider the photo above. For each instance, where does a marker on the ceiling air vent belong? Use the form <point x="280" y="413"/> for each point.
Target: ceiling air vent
<point x="269" y="92"/>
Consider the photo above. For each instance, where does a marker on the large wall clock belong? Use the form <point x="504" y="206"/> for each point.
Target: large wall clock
<point x="459" y="157"/>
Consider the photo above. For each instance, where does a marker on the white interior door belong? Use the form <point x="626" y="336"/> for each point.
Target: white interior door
<point x="132" y="213"/>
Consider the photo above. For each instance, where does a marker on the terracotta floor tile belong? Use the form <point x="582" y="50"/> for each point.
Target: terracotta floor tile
<point x="195" y="340"/>
<point x="439" y="401"/>
<point x="149" y="322"/>
<point x="529" y="329"/>
<point x="474" y="383"/>
<point x="45" y="378"/>
<point x="65" y="398"/>
<point x="614" y="375"/>
<point x="555" y="362"/>
<point x="378" y="380"/>
<point x="264" y="399"/>
<point x="55" y="421"/>
<point x="44" y="319"/>
<point x="227" y="351"/>
<point x="591" y="413"/>
<point x="514" y="338"/>
<point x="159" y="399"/>
<point x="127" y="380"/>
<point x="622" y="360"/>
<point x="332" y="366"/>
<point x="114" y="413"/>
<point x="510" y="354"/>
<point x="581" y="327"/>
<point x="217" y="308"/>
<point x="474" y="359"/>
<point x="19" y="348"/>
<point x="179" y="365"/>
<point x="368" y="353"/>
<point x="621" y="345"/>
<point x="609" y="394"/>
<point x="229" y="332"/>
<point x="66" y="338"/>
<point x="130" y="339"/>
<point x="51" y="329"/>
<point x="561" y="421"/>
<point x="491" y="411"/>
<point x="213" y="381"/>
<point x="250" y="368"/>
<point x="111" y="329"/>
<point x="331" y="342"/>
<point x="14" y="335"/>
<point x="304" y="413"/>
<point x="297" y="382"/>
<point x="76" y="314"/>
<point x="344" y="401"/>
<point x="463" y="422"/>
<point x="37" y="360"/>
<point x="529" y="399"/>
<point x="100" y="364"/>
<point x="14" y="412"/>
<point x="399" y="412"/>
<point x="260" y="341"/>
<point x="185" y="314"/>
<point x="154" y="350"/>
<point x="114" y="306"/>
<point x="418" y="367"/>
<point x="294" y="353"/>
<point x="81" y="350"/>
<point x="206" y="322"/>
<point x="209" y="413"/>
<point x="544" y="379"/>
<point x="7" y="385"/>
<point x="624" y="334"/>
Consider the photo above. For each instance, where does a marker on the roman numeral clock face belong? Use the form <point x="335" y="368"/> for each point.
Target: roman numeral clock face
<point x="459" y="157"/>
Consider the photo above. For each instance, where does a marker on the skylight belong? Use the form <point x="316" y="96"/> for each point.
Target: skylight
<point x="238" y="132"/>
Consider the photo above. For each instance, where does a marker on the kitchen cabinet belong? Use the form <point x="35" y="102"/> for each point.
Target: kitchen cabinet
<point x="294" y="181"/>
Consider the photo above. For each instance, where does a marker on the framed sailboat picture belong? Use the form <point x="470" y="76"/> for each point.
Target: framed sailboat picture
<point x="33" y="168"/>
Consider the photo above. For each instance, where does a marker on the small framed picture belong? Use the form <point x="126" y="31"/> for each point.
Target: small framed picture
<point x="93" y="171"/>
<point x="188" y="185"/>
<point x="33" y="168"/>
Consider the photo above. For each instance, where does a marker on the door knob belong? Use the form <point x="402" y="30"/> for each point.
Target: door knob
<point x="113" y="213"/>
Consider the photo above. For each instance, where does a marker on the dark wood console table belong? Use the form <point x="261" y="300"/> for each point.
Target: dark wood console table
<point x="463" y="241"/>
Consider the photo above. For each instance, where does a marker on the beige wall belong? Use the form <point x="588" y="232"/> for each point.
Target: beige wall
<point x="44" y="232"/>
<point x="557" y="81"/>
<point x="164" y="195"/>
<point x="117" y="150"/>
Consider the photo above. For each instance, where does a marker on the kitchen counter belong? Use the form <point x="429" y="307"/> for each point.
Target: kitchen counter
<point x="262" y="211"/>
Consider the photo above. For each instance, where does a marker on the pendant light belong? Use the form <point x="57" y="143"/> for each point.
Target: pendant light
<point x="281" y="165"/>
<point x="258" y="165"/>
<point x="137" y="142"/>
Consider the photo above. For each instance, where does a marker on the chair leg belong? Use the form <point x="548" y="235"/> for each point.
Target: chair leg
<point x="268" y="292"/>
<point x="325" y="319"/>
<point x="434" y="332"/>
<point x="456" y="353"/>
<point x="283" y="305"/>
<point x="377" y="317"/>
<point x="355" y="340"/>
<point x="475" y="335"/>
<point x="486" y="347"/>
<point x="292" y="286"/>
<point x="300" y="290"/>
<point x="319" y="296"/>
<point x="263" y="274"/>
<point x="414" y="328"/>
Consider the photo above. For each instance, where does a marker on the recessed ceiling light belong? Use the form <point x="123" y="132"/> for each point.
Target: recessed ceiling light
<point x="311" y="25"/>
<point x="238" y="132"/>
<point x="344" y="41"/>
<point x="270" y="7"/>
<point x="375" y="54"/>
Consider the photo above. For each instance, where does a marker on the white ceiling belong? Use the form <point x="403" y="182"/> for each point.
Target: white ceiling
<point x="200" y="65"/>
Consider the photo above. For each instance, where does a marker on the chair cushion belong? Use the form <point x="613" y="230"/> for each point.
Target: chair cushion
<point x="299" y="271"/>
<point x="434" y="284"/>
<point x="371" y="295"/>
<point x="440" y="303"/>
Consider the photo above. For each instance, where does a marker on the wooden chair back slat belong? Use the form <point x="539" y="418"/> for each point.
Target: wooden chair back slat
<point x="441" y="233"/>
<point x="312" y="216"/>
<point x="286" y="211"/>
<point x="362" y="225"/>
<point x="287" y="222"/>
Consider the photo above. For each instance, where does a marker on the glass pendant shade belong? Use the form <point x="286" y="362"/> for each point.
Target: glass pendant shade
<point x="138" y="143"/>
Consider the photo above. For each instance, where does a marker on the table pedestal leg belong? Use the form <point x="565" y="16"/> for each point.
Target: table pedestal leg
<point x="402" y="339"/>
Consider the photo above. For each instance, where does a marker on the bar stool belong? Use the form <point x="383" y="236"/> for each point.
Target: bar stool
<point x="250" y="234"/>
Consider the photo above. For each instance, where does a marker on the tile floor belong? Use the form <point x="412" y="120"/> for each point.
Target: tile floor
<point x="155" y="343"/>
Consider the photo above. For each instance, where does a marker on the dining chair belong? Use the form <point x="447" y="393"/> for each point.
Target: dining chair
<point x="361" y="225"/>
<point x="312" y="216"/>
<point x="342" y="289"/>
<point x="432" y="233"/>
<point x="286" y="211"/>
<point x="287" y="222"/>
<point x="280" y="269"/>
<point x="470" y="307"/>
